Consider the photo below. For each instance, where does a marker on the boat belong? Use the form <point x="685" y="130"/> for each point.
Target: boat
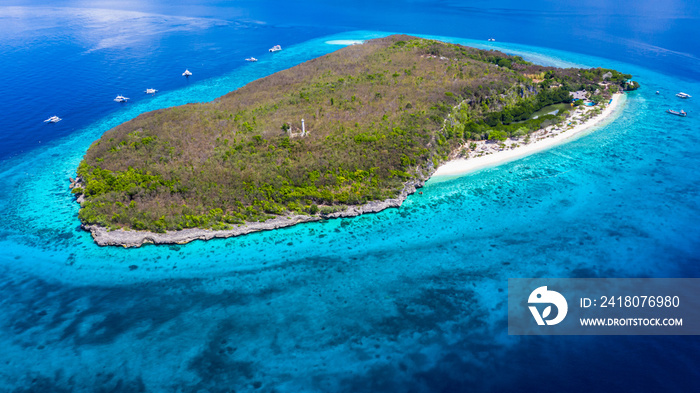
<point x="657" y="92"/>
<point x="681" y="113"/>
<point x="683" y="95"/>
<point x="275" y="48"/>
<point x="187" y="73"/>
<point x="492" y="39"/>
<point x="52" y="119"/>
<point x="121" y="98"/>
<point x="151" y="91"/>
<point x="253" y="59"/>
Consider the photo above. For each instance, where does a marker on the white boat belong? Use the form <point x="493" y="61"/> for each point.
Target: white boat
<point x="253" y="59"/>
<point x="186" y="73"/>
<point x="677" y="113"/>
<point x="52" y="119"/>
<point x="121" y="98"/>
<point x="683" y="95"/>
<point x="492" y="39"/>
<point x="275" y="48"/>
<point x="151" y="91"/>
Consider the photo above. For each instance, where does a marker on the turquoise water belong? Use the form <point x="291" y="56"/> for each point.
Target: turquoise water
<point x="407" y="299"/>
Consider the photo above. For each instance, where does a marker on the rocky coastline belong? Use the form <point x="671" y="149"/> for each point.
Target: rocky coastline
<point x="133" y="238"/>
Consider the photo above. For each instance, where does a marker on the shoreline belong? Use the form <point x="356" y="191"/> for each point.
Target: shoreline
<point x="131" y="238"/>
<point x="485" y="155"/>
<point x="489" y="155"/>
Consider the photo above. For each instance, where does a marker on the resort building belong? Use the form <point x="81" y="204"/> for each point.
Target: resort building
<point x="579" y="95"/>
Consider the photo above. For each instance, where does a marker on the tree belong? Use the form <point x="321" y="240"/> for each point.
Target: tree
<point x="492" y="119"/>
<point x="498" y="135"/>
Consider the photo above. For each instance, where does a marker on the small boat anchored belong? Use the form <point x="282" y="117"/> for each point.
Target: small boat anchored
<point x="121" y="98"/>
<point x="492" y="39"/>
<point x="683" y="95"/>
<point x="150" y="91"/>
<point x="681" y="113"/>
<point x="187" y="73"/>
<point x="52" y="119"/>
<point x="253" y="59"/>
<point x="275" y="48"/>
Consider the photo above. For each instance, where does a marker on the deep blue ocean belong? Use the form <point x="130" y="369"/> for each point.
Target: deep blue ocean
<point x="408" y="300"/>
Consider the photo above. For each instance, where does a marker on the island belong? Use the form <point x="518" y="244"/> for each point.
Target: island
<point x="355" y="131"/>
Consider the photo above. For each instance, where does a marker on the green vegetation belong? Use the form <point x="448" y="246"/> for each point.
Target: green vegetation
<point x="631" y="85"/>
<point x="377" y="115"/>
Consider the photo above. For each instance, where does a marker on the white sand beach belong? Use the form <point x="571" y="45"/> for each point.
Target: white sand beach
<point x="344" y="42"/>
<point x="488" y="154"/>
